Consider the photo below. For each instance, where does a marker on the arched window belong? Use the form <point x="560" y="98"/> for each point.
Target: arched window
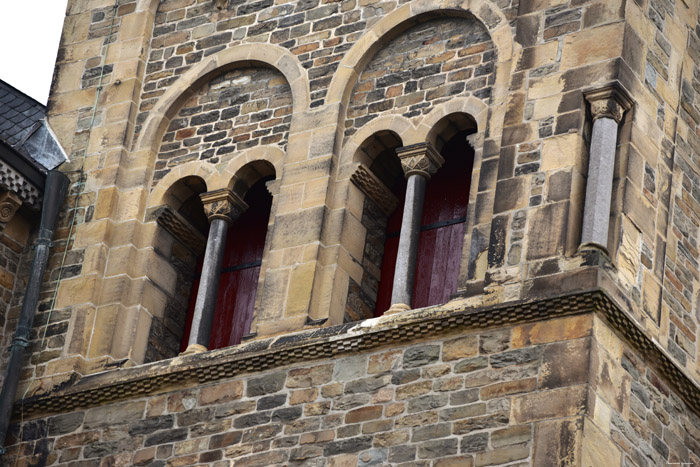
<point x="240" y="270"/>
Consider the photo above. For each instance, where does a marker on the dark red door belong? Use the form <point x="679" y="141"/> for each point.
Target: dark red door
<point x="239" y="273"/>
<point x="442" y="232"/>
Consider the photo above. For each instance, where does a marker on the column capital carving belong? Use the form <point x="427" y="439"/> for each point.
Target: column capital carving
<point x="374" y="189"/>
<point x="421" y="159"/>
<point x="610" y="101"/>
<point x="9" y="204"/>
<point x="223" y="204"/>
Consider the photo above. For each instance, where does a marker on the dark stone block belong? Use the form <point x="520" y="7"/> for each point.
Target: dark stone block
<point x="421" y="355"/>
<point x="510" y="194"/>
<point x="497" y="248"/>
<point x="169" y="436"/>
<point x="404" y="453"/>
<point x="370" y="384"/>
<point x="195" y="416"/>
<point x="516" y="357"/>
<point x="287" y="414"/>
<point x="471" y="364"/>
<point x="428" y="402"/>
<point x="475" y="443"/>
<point x="247" y="421"/>
<point x="270" y="402"/>
<point x="149" y="425"/>
<point x="425" y="433"/>
<point x="266" y="385"/>
<point x="66" y="423"/>
<point x="566" y="363"/>
<point x="437" y="449"/>
<point x="347" y="445"/>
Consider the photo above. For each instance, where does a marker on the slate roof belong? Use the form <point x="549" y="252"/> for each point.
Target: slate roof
<point x="18" y="114"/>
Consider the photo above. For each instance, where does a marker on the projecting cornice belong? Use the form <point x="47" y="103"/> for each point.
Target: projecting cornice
<point x="322" y="343"/>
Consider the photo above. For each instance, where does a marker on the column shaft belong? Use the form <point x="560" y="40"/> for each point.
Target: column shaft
<point x="405" y="270"/>
<point x="596" y="214"/>
<point x="208" y="286"/>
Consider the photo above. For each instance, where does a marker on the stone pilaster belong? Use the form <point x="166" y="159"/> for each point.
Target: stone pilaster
<point x="222" y="208"/>
<point x="608" y="105"/>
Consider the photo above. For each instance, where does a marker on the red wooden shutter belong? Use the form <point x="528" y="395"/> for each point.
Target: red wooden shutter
<point x="239" y="272"/>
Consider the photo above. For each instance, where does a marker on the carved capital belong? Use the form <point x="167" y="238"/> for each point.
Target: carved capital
<point x="181" y="229"/>
<point x="374" y="189"/>
<point x="610" y="101"/>
<point x="421" y="159"/>
<point x="9" y="204"/>
<point x="223" y="204"/>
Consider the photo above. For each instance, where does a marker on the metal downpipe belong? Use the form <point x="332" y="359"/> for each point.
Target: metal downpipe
<point x="54" y="194"/>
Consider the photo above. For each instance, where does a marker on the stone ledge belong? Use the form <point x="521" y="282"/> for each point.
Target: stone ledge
<point x="187" y="371"/>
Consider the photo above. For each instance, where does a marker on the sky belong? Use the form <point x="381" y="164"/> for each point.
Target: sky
<point x="29" y="35"/>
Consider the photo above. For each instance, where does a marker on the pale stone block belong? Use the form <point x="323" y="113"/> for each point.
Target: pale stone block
<point x="92" y="233"/>
<point x="103" y="137"/>
<point x="69" y="76"/>
<point x="315" y="193"/>
<point x="545" y="87"/>
<point x="105" y="324"/>
<point x="114" y="289"/>
<point x="628" y="253"/>
<point x="298" y="147"/>
<point x="80" y="330"/>
<point x="353" y="235"/>
<point x="78" y="290"/>
<point x="598" y="448"/>
<point x="592" y="45"/>
<point x="290" y="198"/>
<point x="107" y="200"/>
<point x="546" y="107"/>
<point x="562" y="152"/>
<point x="131" y="203"/>
<point x="300" y="284"/>
<point x="63" y="102"/>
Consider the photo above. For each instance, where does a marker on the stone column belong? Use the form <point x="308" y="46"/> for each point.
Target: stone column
<point x="608" y="104"/>
<point x="222" y="208"/>
<point x="419" y="162"/>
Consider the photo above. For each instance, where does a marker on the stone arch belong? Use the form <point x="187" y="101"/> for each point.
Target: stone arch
<point x="397" y="124"/>
<point x="160" y="193"/>
<point x="385" y="29"/>
<point x="269" y="155"/>
<point x="470" y="107"/>
<point x="267" y="55"/>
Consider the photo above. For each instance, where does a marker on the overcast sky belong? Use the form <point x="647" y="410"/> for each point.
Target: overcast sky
<point x="29" y="36"/>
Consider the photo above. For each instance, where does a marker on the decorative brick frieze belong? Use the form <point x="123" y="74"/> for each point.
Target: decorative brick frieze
<point x="13" y="181"/>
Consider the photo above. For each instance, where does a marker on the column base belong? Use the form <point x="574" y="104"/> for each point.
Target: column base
<point x="593" y="246"/>
<point x="397" y="308"/>
<point x="193" y="349"/>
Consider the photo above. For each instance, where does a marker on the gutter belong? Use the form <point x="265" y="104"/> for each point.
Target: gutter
<point x="54" y="194"/>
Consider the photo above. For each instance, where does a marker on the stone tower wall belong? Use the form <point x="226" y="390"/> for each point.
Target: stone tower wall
<point x="144" y="90"/>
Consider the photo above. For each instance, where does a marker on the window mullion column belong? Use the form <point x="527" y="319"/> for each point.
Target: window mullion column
<point x="419" y="162"/>
<point x="222" y="208"/>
